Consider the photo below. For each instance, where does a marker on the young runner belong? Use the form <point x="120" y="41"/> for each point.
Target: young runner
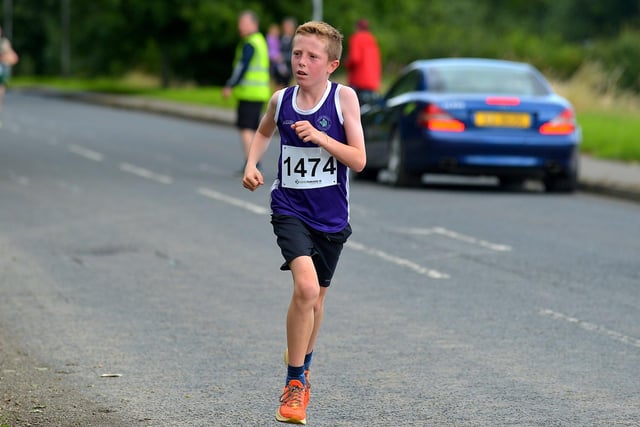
<point x="320" y="138"/>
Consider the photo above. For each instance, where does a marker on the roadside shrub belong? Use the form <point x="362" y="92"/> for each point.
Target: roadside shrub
<point x="620" y="58"/>
<point x="550" y="54"/>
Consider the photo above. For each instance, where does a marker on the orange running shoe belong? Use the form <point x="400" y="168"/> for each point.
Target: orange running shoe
<point x="292" y="408"/>
<point x="307" y="388"/>
<point x="307" y="374"/>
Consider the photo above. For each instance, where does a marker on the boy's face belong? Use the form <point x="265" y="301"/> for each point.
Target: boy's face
<point x="310" y="60"/>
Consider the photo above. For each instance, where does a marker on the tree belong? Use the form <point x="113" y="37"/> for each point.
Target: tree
<point x="194" y="40"/>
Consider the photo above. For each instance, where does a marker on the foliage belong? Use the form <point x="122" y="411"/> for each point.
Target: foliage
<point x="621" y="57"/>
<point x="194" y="40"/>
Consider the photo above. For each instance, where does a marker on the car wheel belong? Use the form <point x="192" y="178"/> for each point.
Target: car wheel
<point x="367" y="174"/>
<point x="511" y="182"/>
<point x="396" y="165"/>
<point x="565" y="183"/>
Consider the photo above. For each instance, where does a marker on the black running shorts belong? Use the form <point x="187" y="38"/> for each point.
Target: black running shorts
<point x="295" y="238"/>
<point x="249" y="113"/>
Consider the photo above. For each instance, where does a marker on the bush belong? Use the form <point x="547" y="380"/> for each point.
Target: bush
<point x="548" y="53"/>
<point x="620" y="58"/>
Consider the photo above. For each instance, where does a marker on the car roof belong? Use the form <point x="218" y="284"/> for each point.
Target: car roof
<point x="475" y="62"/>
<point x="424" y="65"/>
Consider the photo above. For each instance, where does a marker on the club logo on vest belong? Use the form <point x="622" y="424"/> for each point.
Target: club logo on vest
<point x="323" y="123"/>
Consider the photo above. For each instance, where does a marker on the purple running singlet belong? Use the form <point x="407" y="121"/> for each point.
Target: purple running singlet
<point x="311" y="184"/>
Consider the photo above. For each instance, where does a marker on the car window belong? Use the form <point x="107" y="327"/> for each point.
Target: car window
<point x="410" y="82"/>
<point x="484" y="79"/>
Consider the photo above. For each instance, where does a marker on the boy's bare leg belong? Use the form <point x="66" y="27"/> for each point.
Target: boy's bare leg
<point x="301" y="316"/>
<point x="318" y="313"/>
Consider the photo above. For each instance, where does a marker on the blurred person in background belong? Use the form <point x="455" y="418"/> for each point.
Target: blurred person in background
<point x="276" y="64"/>
<point x="364" y="70"/>
<point x="289" y="25"/>
<point x="8" y="58"/>
<point x="249" y="81"/>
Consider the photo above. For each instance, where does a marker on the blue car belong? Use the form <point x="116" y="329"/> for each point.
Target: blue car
<point x="469" y="116"/>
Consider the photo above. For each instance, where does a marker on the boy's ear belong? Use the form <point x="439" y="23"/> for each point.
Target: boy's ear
<point x="333" y="65"/>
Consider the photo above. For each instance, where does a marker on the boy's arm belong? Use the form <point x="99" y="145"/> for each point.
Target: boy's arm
<point x="252" y="178"/>
<point x="352" y="154"/>
<point x="356" y="156"/>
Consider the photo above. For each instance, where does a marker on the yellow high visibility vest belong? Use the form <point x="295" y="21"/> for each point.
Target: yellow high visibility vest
<point x="254" y="85"/>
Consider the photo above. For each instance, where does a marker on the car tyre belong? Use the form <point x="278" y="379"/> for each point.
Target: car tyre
<point x="511" y="182"/>
<point x="565" y="183"/>
<point x="396" y="165"/>
<point x="367" y="174"/>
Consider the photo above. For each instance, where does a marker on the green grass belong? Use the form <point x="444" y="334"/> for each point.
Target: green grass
<point x="205" y="96"/>
<point x="97" y="85"/>
<point x="606" y="133"/>
<point x="193" y="95"/>
<point x="610" y="134"/>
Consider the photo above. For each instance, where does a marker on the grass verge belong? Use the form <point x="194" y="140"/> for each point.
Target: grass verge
<point x="611" y="134"/>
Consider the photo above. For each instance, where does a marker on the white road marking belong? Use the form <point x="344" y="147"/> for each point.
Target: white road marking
<point x="457" y="236"/>
<point x="251" y="207"/>
<point x="260" y="210"/>
<point x="85" y="152"/>
<point x="21" y="180"/>
<point x="145" y="173"/>
<point x="402" y="262"/>
<point x="591" y="327"/>
<point x="11" y="127"/>
<point x="70" y="186"/>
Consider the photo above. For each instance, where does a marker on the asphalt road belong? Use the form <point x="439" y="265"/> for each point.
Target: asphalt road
<point x="129" y="248"/>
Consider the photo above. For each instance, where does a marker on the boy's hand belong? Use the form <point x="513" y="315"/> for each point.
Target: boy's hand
<point x="252" y="178"/>
<point x="307" y="132"/>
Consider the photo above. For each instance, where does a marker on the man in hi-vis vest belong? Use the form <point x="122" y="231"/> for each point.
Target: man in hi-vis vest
<point x="249" y="81"/>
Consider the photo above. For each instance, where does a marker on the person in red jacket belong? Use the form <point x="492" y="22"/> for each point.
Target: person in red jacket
<point x="363" y="62"/>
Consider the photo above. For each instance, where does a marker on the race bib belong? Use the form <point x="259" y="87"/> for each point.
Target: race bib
<point x="308" y="167"/>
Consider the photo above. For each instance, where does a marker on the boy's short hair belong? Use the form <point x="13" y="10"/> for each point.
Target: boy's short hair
<point x="327" y="32"/>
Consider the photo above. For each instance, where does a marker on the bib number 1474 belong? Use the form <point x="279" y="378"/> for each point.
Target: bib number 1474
<point x="307" y="167"/>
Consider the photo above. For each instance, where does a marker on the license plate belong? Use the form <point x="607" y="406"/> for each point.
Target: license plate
<point x="502" y="119"/>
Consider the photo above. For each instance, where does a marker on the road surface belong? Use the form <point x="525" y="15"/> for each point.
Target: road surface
<point x="136" y="270"/>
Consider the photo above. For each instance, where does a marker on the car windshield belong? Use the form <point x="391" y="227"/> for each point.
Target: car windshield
<point x="484" y="79"/>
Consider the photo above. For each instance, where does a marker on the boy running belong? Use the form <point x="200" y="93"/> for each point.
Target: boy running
<point x="321" y="137"/>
